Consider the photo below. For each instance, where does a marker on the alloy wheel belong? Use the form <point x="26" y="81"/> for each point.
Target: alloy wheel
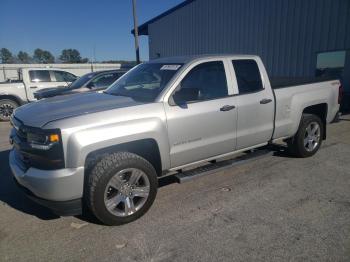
<point x="6" y="110"/>
<point x="312" y="136"/>
<point x="126" y="192"/>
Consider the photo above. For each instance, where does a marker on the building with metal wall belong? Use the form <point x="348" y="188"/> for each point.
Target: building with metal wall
<point x="293" y="37"/>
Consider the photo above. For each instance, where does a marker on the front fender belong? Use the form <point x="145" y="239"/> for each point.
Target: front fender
<point x="82" y="142"/>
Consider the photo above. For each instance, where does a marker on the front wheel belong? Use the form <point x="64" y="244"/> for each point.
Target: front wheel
<point x="308" y="139"/>
<point x="121" y="188"/>
<point x="7" y="106"/>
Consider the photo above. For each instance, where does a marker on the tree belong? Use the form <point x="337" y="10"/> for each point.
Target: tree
<point x="6" y="56"/>
<point x="43" y="56"/>
<point x="70" y="56"/>
<point x="23" y="57"/>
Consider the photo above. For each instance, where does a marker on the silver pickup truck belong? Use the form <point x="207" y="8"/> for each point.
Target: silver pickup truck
<point x="107" y="150"/>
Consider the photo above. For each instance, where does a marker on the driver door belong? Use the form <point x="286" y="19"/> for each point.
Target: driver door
<point x="201" y="115"/>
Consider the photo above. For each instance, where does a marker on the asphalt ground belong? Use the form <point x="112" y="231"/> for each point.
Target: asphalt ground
<point x="274" y="208"/>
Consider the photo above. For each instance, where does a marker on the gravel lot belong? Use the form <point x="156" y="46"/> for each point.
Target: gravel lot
<point x="271" y="209"/>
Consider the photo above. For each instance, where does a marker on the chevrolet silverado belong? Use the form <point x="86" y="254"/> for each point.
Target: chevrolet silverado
<point x="107" y="150"/>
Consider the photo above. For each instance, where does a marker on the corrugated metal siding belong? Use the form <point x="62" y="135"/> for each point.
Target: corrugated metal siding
<point x="287" y="34"/>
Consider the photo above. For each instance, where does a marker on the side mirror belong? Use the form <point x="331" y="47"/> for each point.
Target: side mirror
<point x="185" y="95"/>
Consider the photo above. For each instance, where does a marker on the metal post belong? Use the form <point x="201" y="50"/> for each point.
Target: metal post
<point x="4" y="72"/>
<point x="136" y="32"/>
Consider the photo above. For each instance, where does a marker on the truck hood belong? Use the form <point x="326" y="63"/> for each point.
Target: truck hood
<point x="37" y="114"/>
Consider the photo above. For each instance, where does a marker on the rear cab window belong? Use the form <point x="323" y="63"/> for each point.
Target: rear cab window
<point x="37" y="76"/>
<point x="248" y="76"/>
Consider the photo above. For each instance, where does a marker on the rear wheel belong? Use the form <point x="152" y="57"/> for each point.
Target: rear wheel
<point x="308" y="139"/>
<point x="121" y="188"/>
<point x="7" y="106"/>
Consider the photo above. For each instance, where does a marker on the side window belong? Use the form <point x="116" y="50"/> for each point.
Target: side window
<point x="62" y="76"/>
<point x="204" y="82"/>
<point x="103" y="80"/>
<point x="39" y="76"/>
<point x="70" y="77"/>
<point x="248" y="76"/>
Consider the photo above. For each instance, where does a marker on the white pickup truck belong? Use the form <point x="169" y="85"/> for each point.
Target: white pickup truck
<point x="16" y="93"/>
<point x="107" y="150"/>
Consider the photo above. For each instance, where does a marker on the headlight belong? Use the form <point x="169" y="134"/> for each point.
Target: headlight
<point x="42" y="141"/>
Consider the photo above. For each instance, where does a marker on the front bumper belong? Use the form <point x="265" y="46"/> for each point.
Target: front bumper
<point x="49" y="186"/>
<point x="61" y="208"/>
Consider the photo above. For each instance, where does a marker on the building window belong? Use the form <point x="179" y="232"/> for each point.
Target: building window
<point x="330" y="63"/>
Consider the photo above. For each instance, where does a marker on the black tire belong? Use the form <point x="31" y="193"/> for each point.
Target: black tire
<point x="6" y="108"/>
<point x="296" y="145"/>
<point x="101" y="174"/>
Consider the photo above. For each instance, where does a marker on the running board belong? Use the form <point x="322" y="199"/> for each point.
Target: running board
<point x="215" y="167"/>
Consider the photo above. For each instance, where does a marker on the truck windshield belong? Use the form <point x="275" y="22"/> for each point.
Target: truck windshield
<point x="81" y="81"/>
<point x="145" y="82"/>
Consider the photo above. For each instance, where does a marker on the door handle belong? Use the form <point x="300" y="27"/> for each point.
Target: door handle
<point x="265" y="101"/>
<point x="33" y="87"/>
<point x="227" y="108"/>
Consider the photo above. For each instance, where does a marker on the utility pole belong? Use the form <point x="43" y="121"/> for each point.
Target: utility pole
<point x="136" y="32"/>
<point x="4" y="72"/>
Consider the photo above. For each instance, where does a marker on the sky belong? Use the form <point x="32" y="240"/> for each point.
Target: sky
<point x="103" y="25"/>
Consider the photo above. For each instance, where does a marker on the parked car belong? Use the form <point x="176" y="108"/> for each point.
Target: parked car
<point x="95" y="81"/>
<point x="107" y="150"/>
<point x="16" y="93"/>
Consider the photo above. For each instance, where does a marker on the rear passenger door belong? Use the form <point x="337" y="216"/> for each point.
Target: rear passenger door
<point x="201" y="116"/>
<point x="255" y="104"/>
<point x="38" y="79"/>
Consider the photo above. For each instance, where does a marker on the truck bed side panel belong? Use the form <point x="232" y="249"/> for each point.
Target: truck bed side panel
<point x="291" y="101"/>
<point x="285" y="82"/>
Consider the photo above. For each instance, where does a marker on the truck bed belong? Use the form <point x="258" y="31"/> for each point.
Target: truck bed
<point x="282" y="82"/>
<point x="300" y="94"/>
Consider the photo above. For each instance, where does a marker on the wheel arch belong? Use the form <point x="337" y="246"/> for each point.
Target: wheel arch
<point x="14" y="98"/>
<point x="146" y="148"/>
<point x="319" y="110"/>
